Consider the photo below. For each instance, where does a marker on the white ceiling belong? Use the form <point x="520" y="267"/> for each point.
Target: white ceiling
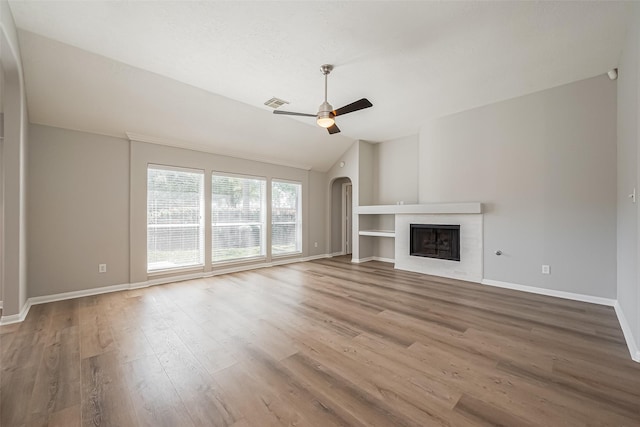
<point x="199" y="72"/>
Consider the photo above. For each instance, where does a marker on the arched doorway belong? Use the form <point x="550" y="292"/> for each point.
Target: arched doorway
<point x="341" y="216"/>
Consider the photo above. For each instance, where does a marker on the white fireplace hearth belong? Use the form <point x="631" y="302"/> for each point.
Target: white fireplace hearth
<point x="471" y="246"/>
<point x="467" y="215"/>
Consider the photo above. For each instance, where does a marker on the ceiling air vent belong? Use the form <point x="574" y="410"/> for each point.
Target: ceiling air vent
<point x="275" y="103"/>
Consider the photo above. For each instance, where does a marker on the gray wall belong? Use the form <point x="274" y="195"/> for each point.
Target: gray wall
<point x="14" y="169"/>
<point x="316" y="222"/>
<point x="544" y="166"/>
<point x="88" y="206"/>
<point x="628" y="141"/>
<point x="396" y="171"/>
<point x="367" y="179"/>
<point x="78" y="210"/>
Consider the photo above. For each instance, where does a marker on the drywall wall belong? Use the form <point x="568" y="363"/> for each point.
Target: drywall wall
<point x="14" y="170"/>
<point x="544" y="167"/>
<point x="628" y="287"/>
<point x="143" y="153"/>
<point x="396" y="171"/>
<point x="366" y="173"/>
<point x="316" y="222"/>
<point x="78" y="210"/>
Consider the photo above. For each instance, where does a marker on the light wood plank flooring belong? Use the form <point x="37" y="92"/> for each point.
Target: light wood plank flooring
<point x="323" y="343"/>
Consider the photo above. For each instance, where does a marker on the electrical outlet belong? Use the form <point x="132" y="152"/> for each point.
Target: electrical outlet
<point x="545" y="269"/>
<point x="315" y="244"/>
<point x="102" y="268"/>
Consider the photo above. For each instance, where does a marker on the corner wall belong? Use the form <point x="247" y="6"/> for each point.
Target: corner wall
<point x="628" y="286"/>
<point x="14" y="171"/>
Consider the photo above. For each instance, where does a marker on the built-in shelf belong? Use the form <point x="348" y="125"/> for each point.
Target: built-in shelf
<point x="428" y="208"/>
<point x="377" y="233"/>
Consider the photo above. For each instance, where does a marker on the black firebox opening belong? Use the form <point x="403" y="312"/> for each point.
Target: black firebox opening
<point x="435" y="241"/>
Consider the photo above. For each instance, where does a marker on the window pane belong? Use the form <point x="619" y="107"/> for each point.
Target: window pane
<point x="237" y="217"/>
<point x="286" y="218"/>
<point x="175" y="228"/>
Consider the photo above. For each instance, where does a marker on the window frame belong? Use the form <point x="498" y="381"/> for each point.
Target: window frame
<point x="263" y="214"/>
<point x="202" y="235"/>
<point x="299" y="216"/>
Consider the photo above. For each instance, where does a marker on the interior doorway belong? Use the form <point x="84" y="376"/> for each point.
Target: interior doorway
<point x="341" y="216"/>
<point x="347" y="211"/>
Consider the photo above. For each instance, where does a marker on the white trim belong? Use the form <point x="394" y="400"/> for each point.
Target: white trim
<point x="428" y="208"/>
<point x="15" y="318"/>
<point x="377" y="233"/>
<point x="321" y="256"/>
<point x="339" y="253"/>
<point x="347" y="215"/>
<point x="175" y="270"/>
<point x="206" y="149"/>
<point x="138" y="285"/>
<point x="361" y="260"/>
<point x="551" y="292"/>
<point x="76" y="294"/>
<point x="634" y="351"/>
<point x="171" y="279"/>
<point x="381" y="259"/>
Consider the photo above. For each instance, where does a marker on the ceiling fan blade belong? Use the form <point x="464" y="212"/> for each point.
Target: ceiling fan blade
<point x="291" y="113"/>
<point x="333" y="129"/>
<point x="354" y="106"/>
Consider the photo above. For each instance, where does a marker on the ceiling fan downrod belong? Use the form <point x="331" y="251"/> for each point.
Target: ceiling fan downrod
<point x="325" y="111"/>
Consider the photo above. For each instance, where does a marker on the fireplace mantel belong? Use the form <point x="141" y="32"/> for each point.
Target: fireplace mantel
<point x="427" y="208"/>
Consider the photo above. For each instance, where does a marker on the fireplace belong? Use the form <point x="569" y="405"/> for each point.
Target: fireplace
<point x="435" y="241"/>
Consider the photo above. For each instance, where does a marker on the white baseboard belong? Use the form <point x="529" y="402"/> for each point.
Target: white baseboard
<point x="77" y="294"/>
<point x="339" y="253"/>
<point x="372" y="258"/>
<point x="550" y="292"/>
<point x="381" y="259"/>
<point x="634" y="350"/>
<point x="15" y="318"/>
<point x="171" y="279"/>
<point x="322" y="256"/>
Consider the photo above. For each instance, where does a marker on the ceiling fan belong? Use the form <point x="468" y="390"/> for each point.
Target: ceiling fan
<point x="326" y="113"/>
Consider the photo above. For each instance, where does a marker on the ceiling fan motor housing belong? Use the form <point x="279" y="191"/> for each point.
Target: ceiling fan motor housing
<point x="325" y="115"/>
<point x="325" y="109"/>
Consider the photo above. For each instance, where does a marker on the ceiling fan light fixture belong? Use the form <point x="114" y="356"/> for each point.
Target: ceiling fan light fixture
<point x="325" y="119"/>
<point x="325" y="115"/>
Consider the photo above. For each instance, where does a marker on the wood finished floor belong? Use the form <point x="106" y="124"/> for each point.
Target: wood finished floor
<point x="323" y="343"/>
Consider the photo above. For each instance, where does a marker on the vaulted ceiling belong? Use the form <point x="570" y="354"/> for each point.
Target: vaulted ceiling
<point x="198" y="73"/>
